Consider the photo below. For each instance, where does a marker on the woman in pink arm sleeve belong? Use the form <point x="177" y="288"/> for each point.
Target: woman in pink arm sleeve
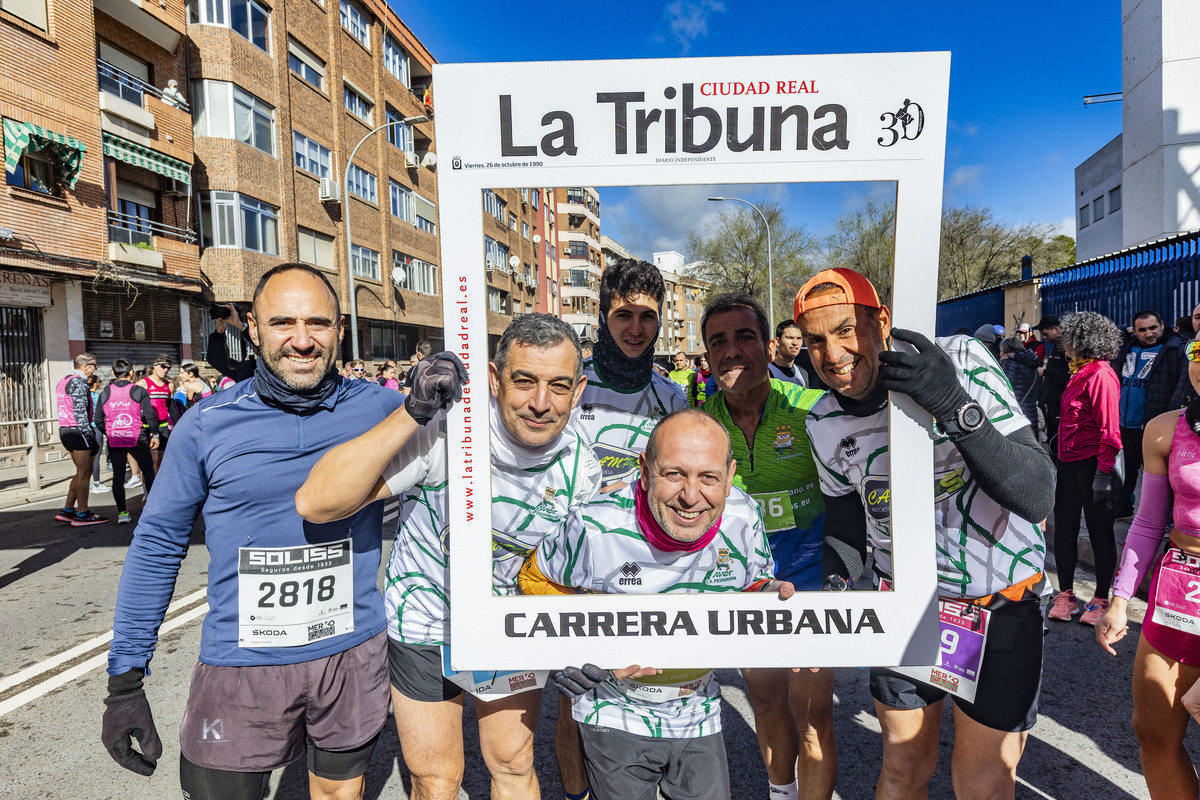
<point x="1089" y="438"/>
<point x="1168" y="654"/>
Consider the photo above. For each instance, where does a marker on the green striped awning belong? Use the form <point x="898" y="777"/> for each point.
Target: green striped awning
<point x="23" y="137"/>
<point x="144" y="157"/>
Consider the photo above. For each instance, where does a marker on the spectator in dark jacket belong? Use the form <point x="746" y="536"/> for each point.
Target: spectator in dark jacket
<point x="1185" y="392"/>
<point x="1055" y="373"/>
<point x="218" y="354"/>
<point x="1021" y="366"/>
<point x="1148" y="364"/>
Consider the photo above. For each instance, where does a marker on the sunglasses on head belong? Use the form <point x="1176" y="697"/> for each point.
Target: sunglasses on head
<point x="1193" y="351"/>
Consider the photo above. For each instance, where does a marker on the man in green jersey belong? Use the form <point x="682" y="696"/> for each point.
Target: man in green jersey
<point x="765" y="419"/>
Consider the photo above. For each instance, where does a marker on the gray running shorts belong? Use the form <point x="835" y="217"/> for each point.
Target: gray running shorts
<point x="253" y="719"/>
<point x="625" y="766"/>
<point x="416" y="672"/>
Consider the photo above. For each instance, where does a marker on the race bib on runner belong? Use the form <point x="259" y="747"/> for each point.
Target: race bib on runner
<point x="490" y="684"/>
<point x="669" y="685"/>
<point x="964" y="628"/>
<point x="776" y="509"/>
<point x="293" y="596"/>
<point x="1177" y="592"/>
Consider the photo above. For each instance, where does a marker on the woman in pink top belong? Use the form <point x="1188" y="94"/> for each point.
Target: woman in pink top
<point x="1168" y="654"/>
<point x="1089" y="438"/>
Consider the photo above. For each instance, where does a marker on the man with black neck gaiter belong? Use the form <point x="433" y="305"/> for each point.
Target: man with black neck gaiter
<point x="293" y="654"/>
<point x="625" y="398"/>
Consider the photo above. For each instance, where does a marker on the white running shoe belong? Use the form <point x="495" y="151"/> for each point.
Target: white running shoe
<point x="133" y="482"/>
<point x="98" y="488"/>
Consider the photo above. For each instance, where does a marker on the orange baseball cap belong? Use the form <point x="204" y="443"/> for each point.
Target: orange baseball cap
<point x="855" y="288"/>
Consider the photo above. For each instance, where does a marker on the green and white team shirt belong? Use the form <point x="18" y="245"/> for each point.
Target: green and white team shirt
<point x="982" y="547"/>
<point x="600" y="549"/>
<point x="617" y="423"/>
<point x="532" y="492"/>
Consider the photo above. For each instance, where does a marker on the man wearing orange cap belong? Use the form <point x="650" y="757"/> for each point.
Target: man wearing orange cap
<point x="993" y="482"/>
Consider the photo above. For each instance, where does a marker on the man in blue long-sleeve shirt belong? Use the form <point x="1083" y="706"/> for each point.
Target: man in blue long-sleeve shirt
<point x="293" y="648"/>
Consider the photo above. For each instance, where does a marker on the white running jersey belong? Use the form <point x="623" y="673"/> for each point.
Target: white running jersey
<point x="982" y="547"/>
<point x="601" y="549"/>
<point x="531" y="493"/>
<point x="617" y="423"/>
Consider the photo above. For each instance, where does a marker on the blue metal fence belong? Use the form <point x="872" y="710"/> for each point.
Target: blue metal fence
<point x="1162" y="276"/>
<point x="970" y="311"/>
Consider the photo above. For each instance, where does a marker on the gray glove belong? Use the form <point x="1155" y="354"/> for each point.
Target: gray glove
<point x="574" y="681"/>
<point x="127" y="717"/>
<point x="1104" y="486"/>
<point x="436" y="386"/>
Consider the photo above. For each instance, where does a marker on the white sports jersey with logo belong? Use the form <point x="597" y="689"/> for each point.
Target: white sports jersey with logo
<point x="617" y="423"/>
<point x="601" y="549"/>
<point x="531" y="493"/>
<point x="981" y="546"/>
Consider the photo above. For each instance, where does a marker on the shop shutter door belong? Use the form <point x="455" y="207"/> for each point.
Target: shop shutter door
<point x="122" y="308"/>
<point x="140" y="354"/>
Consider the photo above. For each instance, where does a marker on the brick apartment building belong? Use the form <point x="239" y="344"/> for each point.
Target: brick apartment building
<point x="581" y="257"/>
<point x="514" y="255"/>
<point x="283" y="94"/>
<point x="95" y="249"/>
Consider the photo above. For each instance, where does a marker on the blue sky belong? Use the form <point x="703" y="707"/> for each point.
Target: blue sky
<point x="1019" y="72"/>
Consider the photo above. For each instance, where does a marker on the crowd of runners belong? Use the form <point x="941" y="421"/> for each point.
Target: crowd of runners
<point x="765" y="468"/>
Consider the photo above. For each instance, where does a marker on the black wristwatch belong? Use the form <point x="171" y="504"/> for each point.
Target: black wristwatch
<point x="967" y="418"/>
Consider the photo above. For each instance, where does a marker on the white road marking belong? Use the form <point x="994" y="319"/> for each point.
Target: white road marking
<point x="66" y="676"/>
<point x="62" y="678"/>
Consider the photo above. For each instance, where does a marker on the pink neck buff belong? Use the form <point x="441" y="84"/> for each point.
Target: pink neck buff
<point x="660" y="539"/>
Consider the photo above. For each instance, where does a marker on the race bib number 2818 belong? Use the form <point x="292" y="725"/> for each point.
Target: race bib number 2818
<point x="292" y="596"/>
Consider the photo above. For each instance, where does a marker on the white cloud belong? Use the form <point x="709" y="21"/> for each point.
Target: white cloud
<point x="687" y="20"/>
<point x="1065" y="227"/>
<point x="965" y="180"/>
<point x="965" y="128"/>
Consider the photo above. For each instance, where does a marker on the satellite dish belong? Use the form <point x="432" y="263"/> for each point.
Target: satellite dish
<point x="514" y="261"/>
<point x="537" y="238"/>
<point x="398" y="275"/>
<point x="429" y="160"/>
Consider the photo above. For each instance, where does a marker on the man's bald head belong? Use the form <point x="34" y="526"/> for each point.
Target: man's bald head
<point x="688" y="418"/>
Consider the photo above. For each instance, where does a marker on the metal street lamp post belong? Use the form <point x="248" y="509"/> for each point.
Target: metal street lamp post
<point x="346" y="214"/>
<point x="770" y="274"/>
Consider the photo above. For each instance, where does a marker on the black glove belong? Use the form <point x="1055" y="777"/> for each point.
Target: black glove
<point x="927" y="376"/>
<point x="436" y="386"/>
<point x="574" y="681"/>
<point x="1104" y="486"/>
<point x="127" y="717"/>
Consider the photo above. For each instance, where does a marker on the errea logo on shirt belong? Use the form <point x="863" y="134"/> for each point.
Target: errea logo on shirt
<point x="629" y="573"/>
<point x="587" y="411"/>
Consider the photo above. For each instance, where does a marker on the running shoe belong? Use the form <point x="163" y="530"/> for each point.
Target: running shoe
<point x="1094" y="610"/>
<point x="98" y="488"/>
<point x="86" y="519"/>
<point x="1066" y="605"/>
<point x="123" y="518"/>
<point x="65" y="515"/>
<point x="133" y="482"/>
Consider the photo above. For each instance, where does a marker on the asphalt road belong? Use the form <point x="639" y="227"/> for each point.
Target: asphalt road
<point x="57" y="589"/>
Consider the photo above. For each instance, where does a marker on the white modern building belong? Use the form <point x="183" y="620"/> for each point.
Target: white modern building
<point x="1145" y="183"/>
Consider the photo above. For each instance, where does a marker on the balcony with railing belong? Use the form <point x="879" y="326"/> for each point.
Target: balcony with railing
<point x="124" y="95"/>
<point x="142" y="242"/>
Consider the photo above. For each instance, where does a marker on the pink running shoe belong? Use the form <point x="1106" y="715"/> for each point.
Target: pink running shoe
<point x="1094" y="610"/>
<point x="1066" y="605"/>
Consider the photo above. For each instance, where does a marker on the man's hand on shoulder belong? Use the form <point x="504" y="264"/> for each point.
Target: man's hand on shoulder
<point x="436" y="386"/>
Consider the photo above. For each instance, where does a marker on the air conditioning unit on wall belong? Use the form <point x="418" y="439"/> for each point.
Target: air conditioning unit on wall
<point x="411" y="160"/>
<point x="328" y="191"/>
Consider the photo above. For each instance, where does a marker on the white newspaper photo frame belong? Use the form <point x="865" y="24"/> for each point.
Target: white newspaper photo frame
<point x="869" y="117"/>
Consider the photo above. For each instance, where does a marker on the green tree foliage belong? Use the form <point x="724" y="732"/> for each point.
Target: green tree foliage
<point x="865" y="241"/>
<point x="732" y="255"/>
<point x="978" y="251"/>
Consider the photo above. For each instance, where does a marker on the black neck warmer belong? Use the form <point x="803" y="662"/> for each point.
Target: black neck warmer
<point x="874" y="403"/>
<point x="1192" y="415"/>
<point x="273" y="391"/>
<point x="616" y="368"/>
